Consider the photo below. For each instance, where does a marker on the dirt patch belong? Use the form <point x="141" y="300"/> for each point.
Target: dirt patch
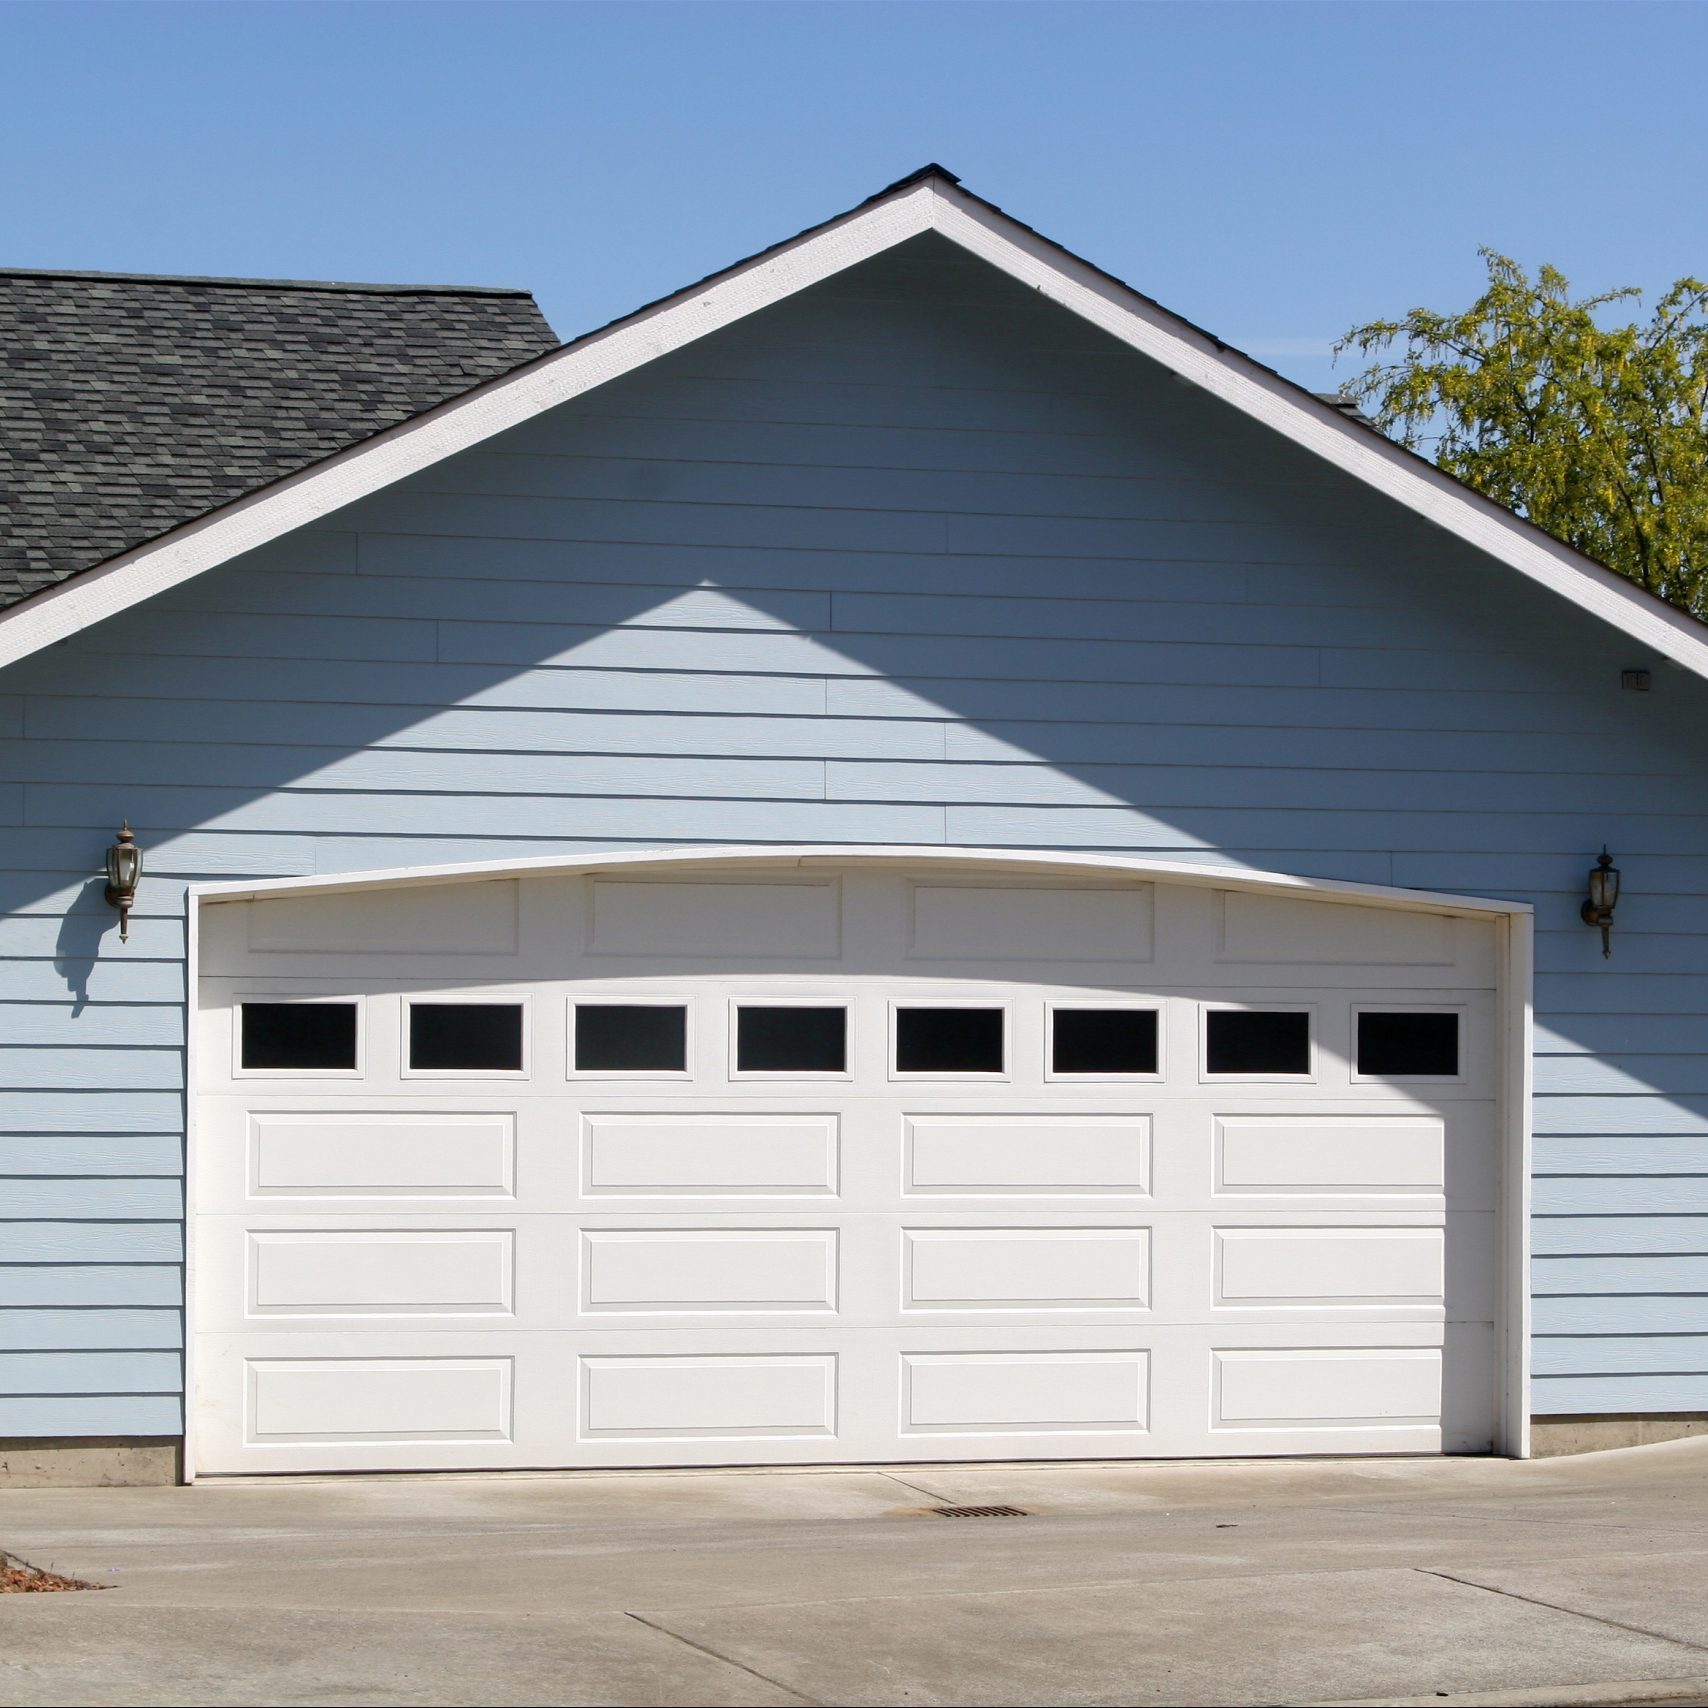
<point x="19" y="1578"/>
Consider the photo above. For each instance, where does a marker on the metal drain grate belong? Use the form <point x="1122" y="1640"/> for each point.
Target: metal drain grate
<point x="980" y="1512"/>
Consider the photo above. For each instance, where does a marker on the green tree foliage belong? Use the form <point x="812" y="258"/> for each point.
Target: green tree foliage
<point x="1597" y="433"/>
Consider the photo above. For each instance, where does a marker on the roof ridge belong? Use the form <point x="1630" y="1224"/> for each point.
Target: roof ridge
<point x="218" y="283"/>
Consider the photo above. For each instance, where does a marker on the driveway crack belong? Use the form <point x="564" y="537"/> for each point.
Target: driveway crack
<point x="728" y="1660"/>
<point x="1556" y="1607"/>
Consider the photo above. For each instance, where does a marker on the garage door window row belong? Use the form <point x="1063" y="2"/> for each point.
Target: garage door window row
<point x="810" y="1039"/>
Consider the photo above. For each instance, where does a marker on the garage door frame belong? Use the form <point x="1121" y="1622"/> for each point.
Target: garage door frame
<point x="1514" y="930"/>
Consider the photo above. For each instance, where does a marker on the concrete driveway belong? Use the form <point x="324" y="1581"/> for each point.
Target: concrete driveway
<point x="1565" y="1580"/>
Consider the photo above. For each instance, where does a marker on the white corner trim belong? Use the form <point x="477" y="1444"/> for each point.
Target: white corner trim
<point x="931" y="204"/>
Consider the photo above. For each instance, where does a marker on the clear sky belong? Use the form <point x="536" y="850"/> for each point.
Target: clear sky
<point x="1274" y="171"/>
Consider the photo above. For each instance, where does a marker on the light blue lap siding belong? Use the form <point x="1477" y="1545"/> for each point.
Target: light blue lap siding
<point x="914" y="557"/>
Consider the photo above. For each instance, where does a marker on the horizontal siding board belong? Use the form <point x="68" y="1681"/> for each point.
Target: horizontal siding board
<point x="23" y="936"/>
<point x="1001" y="659"/>
<point x="80" y="1242"/>
<point x="1298" y="789"/>
<point x="602" y="604"/>
<point x="1611" y="1195"/>
<point x="33" y="1198"/>
<point x="1586" y="1075"/>
<point x="1621" y="1354"/>
<point x="1629" y="1313"/>
<point x="1615" y="1395"/>
<point x="1227" y="827"/>
<point x="691" y="819"/>
<point x="133" y="1286"/>
<point x="1654" y="1116"/>
<point x="1621" y="1035"/>
<point x="90" y="1111"/>
<point x="1597" y="1154"/>
<point x="89" y="1372"/>
<point x="90" y="1068"/>
<point x="67" y="1154"/>
<point x="274" y="768"/>
<point x="119" y="1024"/>
<point x="1617" y="1235"/>
<point x="1526" y="752"/>
<point x="26" y="1415"/>
<point x="91" y="1330"/>
<point x="66" y="724"/>
<point x="94" y="978"/>
<point x="1569" y="1277"/>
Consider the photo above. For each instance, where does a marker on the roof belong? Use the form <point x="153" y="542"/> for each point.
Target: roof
<point x="131" y="404"/>
<point x="931" y="199"/>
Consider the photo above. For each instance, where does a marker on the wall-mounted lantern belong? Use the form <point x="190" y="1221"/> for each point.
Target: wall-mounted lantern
<point x="1603" y="898"/>
<point x="124" y="873"/>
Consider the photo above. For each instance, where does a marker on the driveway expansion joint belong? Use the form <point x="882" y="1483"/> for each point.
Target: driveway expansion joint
<point x="726" y="1660"/>
<point x="1555" y="1607"/>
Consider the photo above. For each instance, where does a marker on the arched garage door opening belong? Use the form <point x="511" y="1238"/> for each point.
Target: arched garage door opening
<point x="847" y="1159"/>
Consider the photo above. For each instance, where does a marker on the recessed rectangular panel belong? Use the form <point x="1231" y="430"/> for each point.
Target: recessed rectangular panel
<point x="381" y="1271"/>
<point x="1287" y="1387"/>
<point x="977" y="1154"/>
<point x="297" y="1037"/>
<point x="756" y="921"/>
<point x="990" y="923"/>
<point x="459" y="918"/>
<point x="1329" y="1153"/>
<point x="407" y="1155"/>
<point x="659" y="1397"/>
<point x="378" y="1399"/>
<point x="970" y="1393"/>
<point x="1026" y="1268"/>
<point x="703" y="1155"/>
<point x="949" y="1040"/>
<point x="465" y="1037"/>
<point x="1397" y="1044"/>
<point x="1328" y="1266"/>
<point x="791" y="1037"/>
<point x="721" y="1269"/>
<point x="1285" y="931"/>
<point x="630" y="1037"/>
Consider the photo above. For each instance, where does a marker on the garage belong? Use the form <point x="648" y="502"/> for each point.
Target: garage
<point x="840" y="1159"/>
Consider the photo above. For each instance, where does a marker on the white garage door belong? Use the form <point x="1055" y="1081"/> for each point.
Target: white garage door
<point x="838" y="1165"/>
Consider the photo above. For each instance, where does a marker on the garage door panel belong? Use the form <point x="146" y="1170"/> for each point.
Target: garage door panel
<point x="381" y="1271"/>
<point x="1020" y="1269"/>
<point x="709" y="1270"/>
<point x="709" y="1155"/>
<point x="1025" y="1393"/>
<point x="979" y="1155"/>
<point x="1302" y="1267"/>
<point x="1042" y="1255"/>
<point x="700" y="1396"/>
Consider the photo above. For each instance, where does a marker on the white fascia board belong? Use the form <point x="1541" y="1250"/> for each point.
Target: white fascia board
<point x="810" y="855"/>
<point x="1318" y="427"/>
<point x="464" y="421"/>
<point x="930" y="204"/>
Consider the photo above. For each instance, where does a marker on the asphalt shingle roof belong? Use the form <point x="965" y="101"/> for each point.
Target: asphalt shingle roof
<point x="130" y="404"/>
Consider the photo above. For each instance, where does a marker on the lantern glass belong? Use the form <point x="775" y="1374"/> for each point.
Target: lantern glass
<point x="124" y="865"/>
<point x="1604" y="888"/>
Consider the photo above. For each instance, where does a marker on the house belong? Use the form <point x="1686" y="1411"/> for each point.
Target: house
<point x="899" y="856"/>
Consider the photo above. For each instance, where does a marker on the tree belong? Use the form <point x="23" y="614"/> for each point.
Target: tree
<point x="1597" y="433"/>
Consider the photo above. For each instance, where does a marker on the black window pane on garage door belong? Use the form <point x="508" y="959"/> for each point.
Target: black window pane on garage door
<point x="465" y="1037"/>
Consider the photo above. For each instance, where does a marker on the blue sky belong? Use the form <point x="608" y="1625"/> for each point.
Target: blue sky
<point x="1275" y="171"/>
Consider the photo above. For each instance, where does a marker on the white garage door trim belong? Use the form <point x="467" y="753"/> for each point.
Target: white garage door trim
<point x="1514" y="937"/>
